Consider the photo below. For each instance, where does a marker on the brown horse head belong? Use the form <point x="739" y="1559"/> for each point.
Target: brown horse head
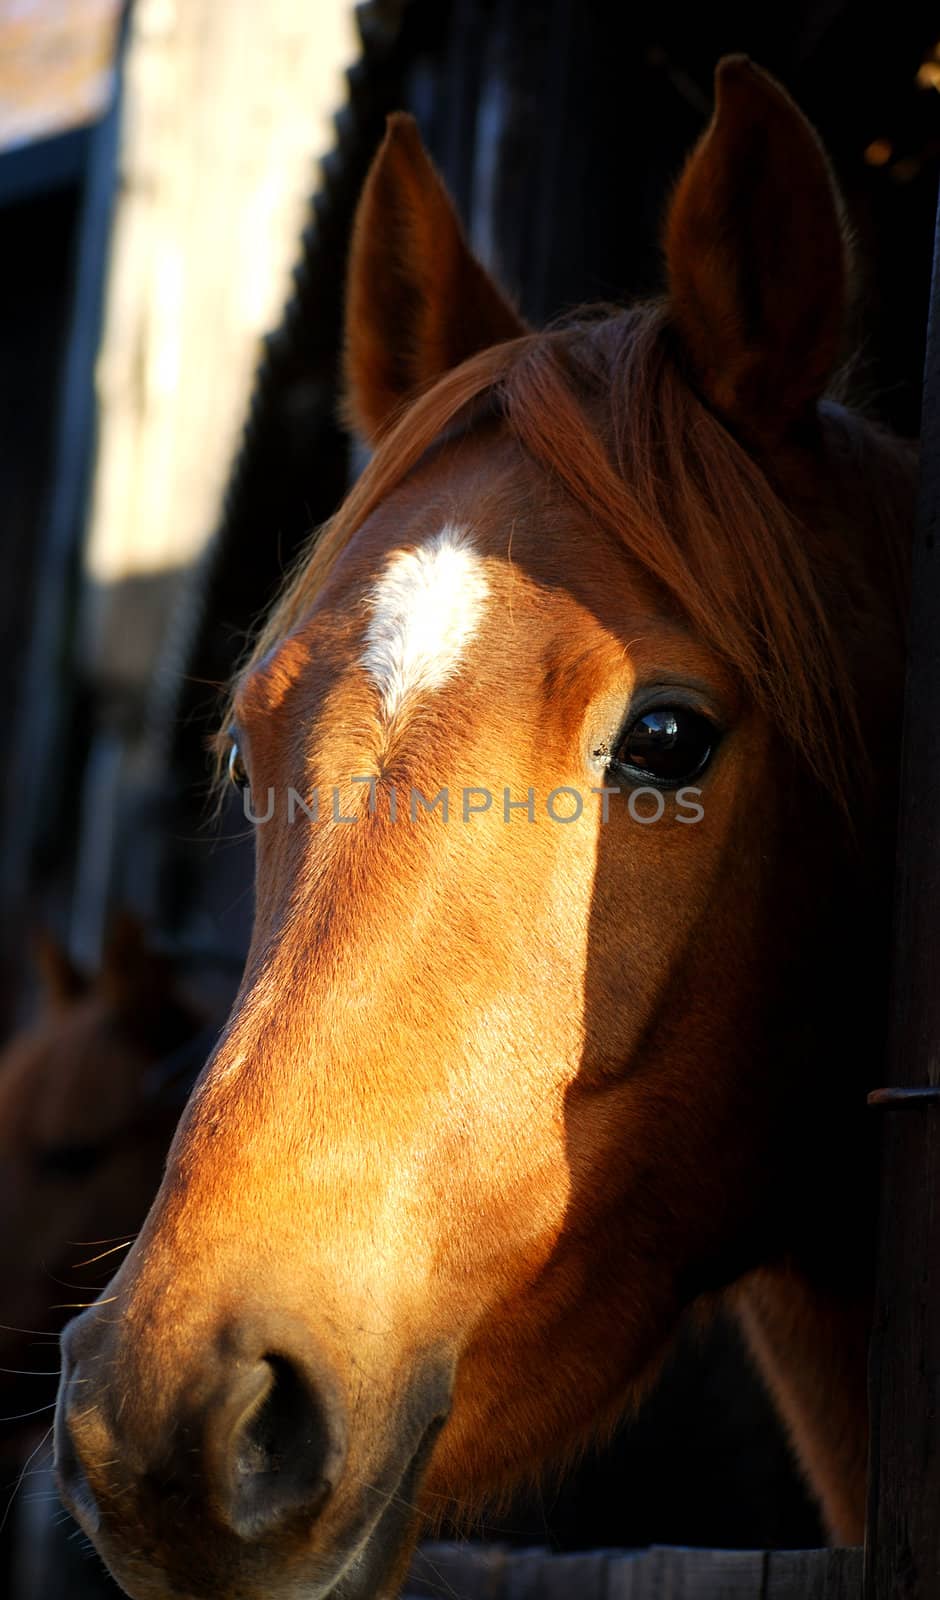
<point x="82" y="1137"/>
<point x="561" y="748"/>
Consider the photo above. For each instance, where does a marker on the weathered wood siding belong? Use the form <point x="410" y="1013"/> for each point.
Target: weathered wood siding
<point x="468" y="1572"/>
<point x="227" y="108"/>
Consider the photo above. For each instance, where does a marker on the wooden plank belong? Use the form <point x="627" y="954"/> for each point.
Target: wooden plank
<point x="228" y="105"/>
<point x="664" y="1572"/>
<point x="903" y="1536"/>
<point x="814" y="1575"/>
<point x="524" y="1571"/>
<point x="625" y="1578"/>
<point x="672" y="1572"/>
<point x="582" y="1575"/>
<point x="459" y="1571"/>
<point x="706" y="1574"/>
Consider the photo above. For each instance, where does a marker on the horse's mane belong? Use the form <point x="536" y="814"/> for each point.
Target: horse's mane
<point x="603" y="405"/>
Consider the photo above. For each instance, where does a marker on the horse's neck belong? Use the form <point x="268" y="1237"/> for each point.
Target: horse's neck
<point x="811" y="1346"/>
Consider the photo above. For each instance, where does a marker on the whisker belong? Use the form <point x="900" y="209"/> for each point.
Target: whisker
<point x="435" y="1570"/>
<point x="38" y="1333"/>
<point x="21" y="1416"/>
<point x="92" y="1244"/>
<point x="16" y="1487"/>
<point x="28" y="1372"/>
<point x="82" y="1305"/>
<point x="82" y="1414"/>
<point x="61" y="1283"/>
<point x="124" y="1245"/>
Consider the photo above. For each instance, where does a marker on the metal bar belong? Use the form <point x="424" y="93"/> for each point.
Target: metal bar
<point x="925" y="1096"/>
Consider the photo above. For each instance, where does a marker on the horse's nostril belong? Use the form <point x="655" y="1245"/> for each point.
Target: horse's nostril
<point x="285" y="1447"/>
<point x="285" y="1424"/>
<point x="70" y="1474"/>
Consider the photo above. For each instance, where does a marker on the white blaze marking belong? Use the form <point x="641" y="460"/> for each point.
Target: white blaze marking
<point x="425" y="610"/>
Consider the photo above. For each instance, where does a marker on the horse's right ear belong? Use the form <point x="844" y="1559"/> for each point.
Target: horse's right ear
<point x="418" y="302"/>
<point x="757" y="258"/>
<point x="62" y="982"/>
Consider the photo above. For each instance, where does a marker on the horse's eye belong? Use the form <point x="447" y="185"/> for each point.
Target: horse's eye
<point x="237" y="771"/>
<point x="667" y="745"/>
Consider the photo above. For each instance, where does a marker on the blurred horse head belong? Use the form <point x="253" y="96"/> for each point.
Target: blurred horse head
<point x="85" y="1121"/>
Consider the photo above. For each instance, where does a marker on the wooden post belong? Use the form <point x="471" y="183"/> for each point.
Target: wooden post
<point x="903" y="1541"/>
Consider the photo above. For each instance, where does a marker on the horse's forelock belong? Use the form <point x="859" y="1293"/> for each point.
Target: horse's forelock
<point x="603" y="405"/>
<point x="612" y="416"/>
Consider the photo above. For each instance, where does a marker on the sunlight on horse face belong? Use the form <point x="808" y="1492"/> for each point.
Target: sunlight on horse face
<point x="423" y="1084"/>
<point x="475" y="1134"/>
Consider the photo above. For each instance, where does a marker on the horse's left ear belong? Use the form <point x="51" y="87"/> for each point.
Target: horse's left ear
<point x="757" y="258"/>
<point x="138" y="982"/>
<point x="62" y="981"/>
<point x="135" y="978"/>
<point x="418" y="302"/>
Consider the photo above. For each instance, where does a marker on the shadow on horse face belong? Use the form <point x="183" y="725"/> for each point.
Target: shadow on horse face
<point x="504" y="1087"/>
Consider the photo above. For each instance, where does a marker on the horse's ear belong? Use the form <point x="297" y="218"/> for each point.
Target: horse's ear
<point x="417" y="300"/>
<point x="757" y="258"/>
<point x="139" y="984"/>
<point x="135" y="978"/>
<point x="62" y="982"/>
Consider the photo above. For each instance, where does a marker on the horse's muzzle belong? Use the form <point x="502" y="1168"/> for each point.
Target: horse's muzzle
<point x="241" y="1486"/>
